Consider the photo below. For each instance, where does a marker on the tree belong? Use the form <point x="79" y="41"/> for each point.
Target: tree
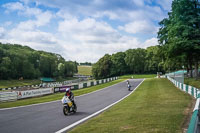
<point x="119" y="66"/>
<point x="180" y="32"/>
<point x="5" y="68"/>
<point x="135" y="60"/>
<point x="102" y="69"/>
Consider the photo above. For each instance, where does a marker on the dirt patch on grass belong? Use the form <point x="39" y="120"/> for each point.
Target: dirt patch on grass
<point x="125" y="128"/>
<point x="188" y="114"/>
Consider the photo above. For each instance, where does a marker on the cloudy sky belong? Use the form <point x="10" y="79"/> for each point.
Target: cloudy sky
<point x="82" y="30"/>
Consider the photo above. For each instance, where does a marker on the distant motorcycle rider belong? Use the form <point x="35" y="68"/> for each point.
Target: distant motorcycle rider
<point x="128" y="85"/>
<point x="69" y="94"/>
<point x="127" y="82"/>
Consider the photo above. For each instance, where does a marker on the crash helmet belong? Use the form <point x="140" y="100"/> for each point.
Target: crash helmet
<point x="68" y="90"/>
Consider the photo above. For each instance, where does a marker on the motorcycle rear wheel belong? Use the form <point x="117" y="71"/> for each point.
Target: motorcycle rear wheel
<point x="75" y="108"/>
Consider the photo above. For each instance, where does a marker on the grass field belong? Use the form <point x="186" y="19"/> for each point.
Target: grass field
<point x="56" y="96"/>
<point x="156" y="106"/>
<point x="85" y="70"/>
<point x="138" y="76"/>
<point x="14" y="83"/>
<point x="192" y="82"/>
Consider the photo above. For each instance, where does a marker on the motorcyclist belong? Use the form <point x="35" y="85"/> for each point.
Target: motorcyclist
<point x="68" y="107"/>
<point x="127" y="82"/>
<point x="128" y="85"/>
<point x="69" y="94"/>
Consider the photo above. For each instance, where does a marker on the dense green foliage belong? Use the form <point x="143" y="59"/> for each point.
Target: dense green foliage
<point x="132" y="61"/>
<point x="180" y="35"/>
<point x="86" y="64"/>
<point x="192" y="82"/>
<point x="18" y="61"/>
<point x="155" y="107"/>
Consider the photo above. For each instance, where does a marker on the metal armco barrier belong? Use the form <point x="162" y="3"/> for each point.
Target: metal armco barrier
<point x="92" y="83"/>
<point x="194" y="126"/>
<point x="195" y="119"/>
<point x="8" y="96"/>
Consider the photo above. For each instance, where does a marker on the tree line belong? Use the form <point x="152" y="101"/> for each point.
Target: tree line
<point x="132" y="61"/>
<point x="85" y="64"/>
<point x="179" y="47"/>
<point x="18" y="61"/>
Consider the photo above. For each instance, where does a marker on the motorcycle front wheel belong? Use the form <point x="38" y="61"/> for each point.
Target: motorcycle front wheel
<point x="66" y="110"/>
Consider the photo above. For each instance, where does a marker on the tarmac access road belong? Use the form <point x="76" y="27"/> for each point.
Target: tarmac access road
<point x="49" y="117"/>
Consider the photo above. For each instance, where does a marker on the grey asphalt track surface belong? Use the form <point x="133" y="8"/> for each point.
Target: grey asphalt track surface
<point x="49" y="118"/>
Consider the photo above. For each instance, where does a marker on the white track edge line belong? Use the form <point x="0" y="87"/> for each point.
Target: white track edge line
<point x="56" y="100"/>
<point x="96" y="113"/>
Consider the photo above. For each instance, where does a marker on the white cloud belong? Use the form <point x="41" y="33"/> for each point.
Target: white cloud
<point x="87" y="30"/>
<point x="13" y="6"/>
<point x="141" y="26"/>
<point x="22" y="9"/>
<point x="92" y="52"/>
<point x="8" y="23"/>
<point x="32" y="36"/>
<point x="165" y="4"/>
<point x="89" y="40"/>
<point x="42" y="19"/>
<point x="28" y="12"/>
<point x="109" y="14"/>
<point x="150" y="42"/>
<point x="2" y="32"/>
<point x="138" y="2"/>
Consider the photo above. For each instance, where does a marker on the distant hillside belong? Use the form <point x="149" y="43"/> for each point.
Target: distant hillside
<point x="85" y="70"/>
<point x="23" y="62"/>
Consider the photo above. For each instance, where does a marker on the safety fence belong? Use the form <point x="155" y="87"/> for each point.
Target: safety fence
<point x="8" y="96"/>
<point x="19" y="87"/>
<point x="46" y="85"/>
<point x="194" y="126"/>
<point x="92" y="83"/>
<point x="15" y="95"/>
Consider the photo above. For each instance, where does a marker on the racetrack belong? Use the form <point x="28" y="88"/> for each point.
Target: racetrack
<point x="49" y="118"/>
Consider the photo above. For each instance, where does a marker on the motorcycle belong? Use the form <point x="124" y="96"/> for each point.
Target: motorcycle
<point x="129" y="87"/>
<point x="68" y="106"/>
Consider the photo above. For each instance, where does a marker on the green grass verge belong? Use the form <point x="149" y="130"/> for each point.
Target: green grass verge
<point x="138" y="76"/>
<point x="56" y="96"/>
<point x="15" y="83"/>
<point x="156" y="106"/>
<point x="65" y="79"/>
<point x="85" y="70"/>
<point x="192" y="82"/>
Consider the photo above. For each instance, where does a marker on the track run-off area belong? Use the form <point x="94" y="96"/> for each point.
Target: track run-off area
<point x="49" y="118"/>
